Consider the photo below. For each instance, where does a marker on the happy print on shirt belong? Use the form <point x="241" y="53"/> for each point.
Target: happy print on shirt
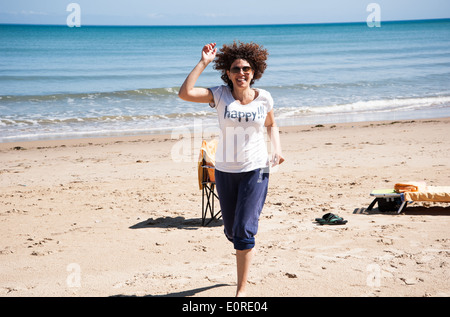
<point x="258" y="114"/>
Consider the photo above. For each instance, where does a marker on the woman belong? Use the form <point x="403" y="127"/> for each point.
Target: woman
<point x="241" y="158"/>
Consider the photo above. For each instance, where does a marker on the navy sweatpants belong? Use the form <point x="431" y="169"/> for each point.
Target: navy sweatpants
<point x="242" y="197"/>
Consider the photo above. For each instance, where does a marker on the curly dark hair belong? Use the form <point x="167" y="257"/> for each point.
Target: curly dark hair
<point x="253" y="53"/>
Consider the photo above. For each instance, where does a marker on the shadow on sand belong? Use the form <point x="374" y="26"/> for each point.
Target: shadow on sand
<point x="187" y="293"/>
<point x="175" y="222"/>
<point x="410" y="210"/>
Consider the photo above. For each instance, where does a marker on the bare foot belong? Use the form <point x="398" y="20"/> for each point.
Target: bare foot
<point x="241" y="294"/>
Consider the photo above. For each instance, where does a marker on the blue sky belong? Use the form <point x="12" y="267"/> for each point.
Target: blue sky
<point x="201" y="12"/>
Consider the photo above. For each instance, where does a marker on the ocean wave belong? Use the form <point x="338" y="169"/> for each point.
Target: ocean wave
<point x="18" y="129"/>
<point x="124" y="94"/>
<point x="380" y="105"/>
<point x="70" y="129"/>
<point x="8" y="122"/>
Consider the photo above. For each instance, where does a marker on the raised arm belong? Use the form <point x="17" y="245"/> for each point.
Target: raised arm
<point x="188" y="91"/>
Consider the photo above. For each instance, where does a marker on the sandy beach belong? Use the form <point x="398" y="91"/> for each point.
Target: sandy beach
<point x="119" y="216"/>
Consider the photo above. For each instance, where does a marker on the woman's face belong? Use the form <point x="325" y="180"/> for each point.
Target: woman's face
<point x="240" y="73"/>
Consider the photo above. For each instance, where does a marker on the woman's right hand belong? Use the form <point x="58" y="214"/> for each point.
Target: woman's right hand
<point x="188" y="91"/>
<point x="209" y="52"/>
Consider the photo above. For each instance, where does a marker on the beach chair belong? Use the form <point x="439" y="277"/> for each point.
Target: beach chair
<point x="397" y="198"/>
<point x="206" y="181"/>
<point x="388" y="200"/>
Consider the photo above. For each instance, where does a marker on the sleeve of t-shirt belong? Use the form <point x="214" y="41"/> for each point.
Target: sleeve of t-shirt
<point x="217" y="94"/>
<point x="269" y="101"/>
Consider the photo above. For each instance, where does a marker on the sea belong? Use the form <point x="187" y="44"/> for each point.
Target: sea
<point x="60" y="82"/>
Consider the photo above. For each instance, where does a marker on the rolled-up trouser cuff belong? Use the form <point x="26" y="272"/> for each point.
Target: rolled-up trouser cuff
<point x="243" y="243"/>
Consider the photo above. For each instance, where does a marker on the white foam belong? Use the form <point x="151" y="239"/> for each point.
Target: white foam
<point x="380" y="105"/>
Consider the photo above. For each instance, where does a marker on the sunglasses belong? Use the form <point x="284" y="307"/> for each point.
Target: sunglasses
<point x="237" y="70"/>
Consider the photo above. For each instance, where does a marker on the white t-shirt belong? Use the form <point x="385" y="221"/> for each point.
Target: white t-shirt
<point x="242" y="146"/>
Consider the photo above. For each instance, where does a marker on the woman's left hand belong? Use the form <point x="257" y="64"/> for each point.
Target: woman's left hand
<point x="277" y="159"/>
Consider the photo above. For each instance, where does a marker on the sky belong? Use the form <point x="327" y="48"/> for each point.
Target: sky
<point x="210" y="12"/>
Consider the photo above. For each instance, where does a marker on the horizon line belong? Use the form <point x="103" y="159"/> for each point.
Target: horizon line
<point x="225" y="25"/>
